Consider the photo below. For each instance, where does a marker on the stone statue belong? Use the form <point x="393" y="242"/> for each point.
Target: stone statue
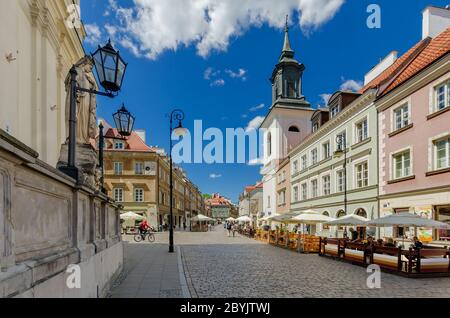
<point x="86" y="102"/>
<point x="86" y="159"/>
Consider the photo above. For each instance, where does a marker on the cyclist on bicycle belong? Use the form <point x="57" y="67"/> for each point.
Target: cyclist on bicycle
<point x="143" y="228"/>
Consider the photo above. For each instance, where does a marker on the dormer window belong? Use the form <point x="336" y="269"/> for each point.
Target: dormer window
<point x="294" y="129"/>
<point x="315" y="127"/>
<point x="119" y="145"/>
<point x="334" y="111"/>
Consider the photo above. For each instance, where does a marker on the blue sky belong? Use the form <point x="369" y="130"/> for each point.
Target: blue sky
<point x="169" y="54"/>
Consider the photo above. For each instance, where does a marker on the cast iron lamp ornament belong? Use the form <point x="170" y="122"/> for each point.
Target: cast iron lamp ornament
<point x="179" y="131"/>
<point x="110" y="69"/>
<point x="342" y="150"/>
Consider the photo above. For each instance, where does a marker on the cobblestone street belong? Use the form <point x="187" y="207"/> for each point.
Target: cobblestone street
<point x="216" y="265"/>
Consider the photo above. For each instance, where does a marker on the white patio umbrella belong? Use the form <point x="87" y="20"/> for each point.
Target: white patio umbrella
<point x="311" y="217"/>
<point x="244" y="219"/>
<point x="407" y="219"/>
<point x="349" y="220"/>
<point x="201" y="218"/>
<point x="269" y="217"/>
<point x="131" y="216"/>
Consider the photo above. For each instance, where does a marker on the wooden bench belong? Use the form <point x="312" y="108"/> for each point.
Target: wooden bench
<point x="432" y="260"/>
<point x="330" y="247"/>
<point x="387" y="257"/>
<point x="355" y="252"/>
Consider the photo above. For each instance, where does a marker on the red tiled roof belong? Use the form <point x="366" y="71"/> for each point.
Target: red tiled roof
<point x="421" y="55"/>
<point x="437" y="48"/>
<point x="133" y="142"/>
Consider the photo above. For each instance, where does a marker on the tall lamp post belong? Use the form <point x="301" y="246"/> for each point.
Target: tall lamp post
<point x="342" y="151"/>
<point x="110" y="69"/>
<point x="179" y="131"/>
<point x="124" y="124"/>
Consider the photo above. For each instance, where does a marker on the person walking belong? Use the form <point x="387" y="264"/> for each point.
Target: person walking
<point x="234" y="229"/>
<point x="229" y="228"/>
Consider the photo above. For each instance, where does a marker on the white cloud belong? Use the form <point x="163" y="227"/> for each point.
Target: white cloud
<point x="210" y="73"/>
<point x="155" y="26"/>
<point x="94" y="34"/>
<point x="218" y="82"/>
<point x="325" y="98"/>
<point x="256" y="108"/>
<point x="215" y="176"/>
<point x="239" y="74"/>
<point x="351" y="85"/>
<point x="254" y="123"/>
<point x="244" y="116"/>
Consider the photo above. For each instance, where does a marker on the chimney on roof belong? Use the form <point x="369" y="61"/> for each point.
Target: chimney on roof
<point x="435" y="21"/>
<point x="381" y="67"/>
<point x="141" y="134"/>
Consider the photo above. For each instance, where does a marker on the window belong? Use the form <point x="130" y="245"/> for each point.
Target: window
<point x="118" y="194"/>
<point x="361" y="131"/>
<point x="334" y="111"/>
<point x="304" y="162"/>
<point x="315" y="127"/>
<point x="294" y="129"/>
<point x="269" y="144"/>
<point x="119" y="145"/>
<point x="401" y="117"/>
<point x="138" y="195"/>
<point x="118" y="168"/>
<point x="442" y="96"/>
<point x="342" y="137"/>
<point x="268" y="202"/>
<point x="282" y="198"/>
<point x="314" y="156"/>
<point x="402" y="165"/>
<point x="139" y="168"/>
<point x="362" y="175"/>
<point x="314" y="189"/>
<point x="326" y="151"/>
<point x="295" y="166"/>
<point x="442" y="153"/>
<point x="295" y="194"/>
<point x="325" y="227"/>
<point x="162" y="199"/>
<point x="326" y="185"/>
<point x="304" y="191"/>
<point x="340" y="214"/>
<point x="340" y="181"/>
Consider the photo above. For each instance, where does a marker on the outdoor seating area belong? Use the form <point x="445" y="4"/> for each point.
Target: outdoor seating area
<point x="302" y="243"/>
<point x="412" y="258"/>
<point x="412" y="262"/>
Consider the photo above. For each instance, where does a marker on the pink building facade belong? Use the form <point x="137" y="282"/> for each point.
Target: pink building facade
<point x="414" y="140"/>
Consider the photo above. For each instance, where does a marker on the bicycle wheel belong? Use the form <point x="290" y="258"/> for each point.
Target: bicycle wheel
<point x="138" y="238"/>
<point x="151" y="237"/>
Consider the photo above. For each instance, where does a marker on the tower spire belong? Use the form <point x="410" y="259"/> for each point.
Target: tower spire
<point x="287" y="50"/>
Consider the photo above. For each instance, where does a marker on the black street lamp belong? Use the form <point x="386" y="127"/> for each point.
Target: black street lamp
<point x="342" y="151"/>
<point x="110" y="71"/>
<point x="179" y="131"/>
<point x="124" y="125"/>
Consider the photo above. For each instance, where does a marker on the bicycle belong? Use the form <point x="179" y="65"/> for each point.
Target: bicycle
<point x="147" y="235"/>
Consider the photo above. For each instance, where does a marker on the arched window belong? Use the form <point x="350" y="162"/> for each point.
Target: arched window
<point x="339" y="215"/>
<point x="269" y="144"/>
<point x="294" y="129"/>
<point x="361" y="212"/>
<point x="326" y="227"/>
